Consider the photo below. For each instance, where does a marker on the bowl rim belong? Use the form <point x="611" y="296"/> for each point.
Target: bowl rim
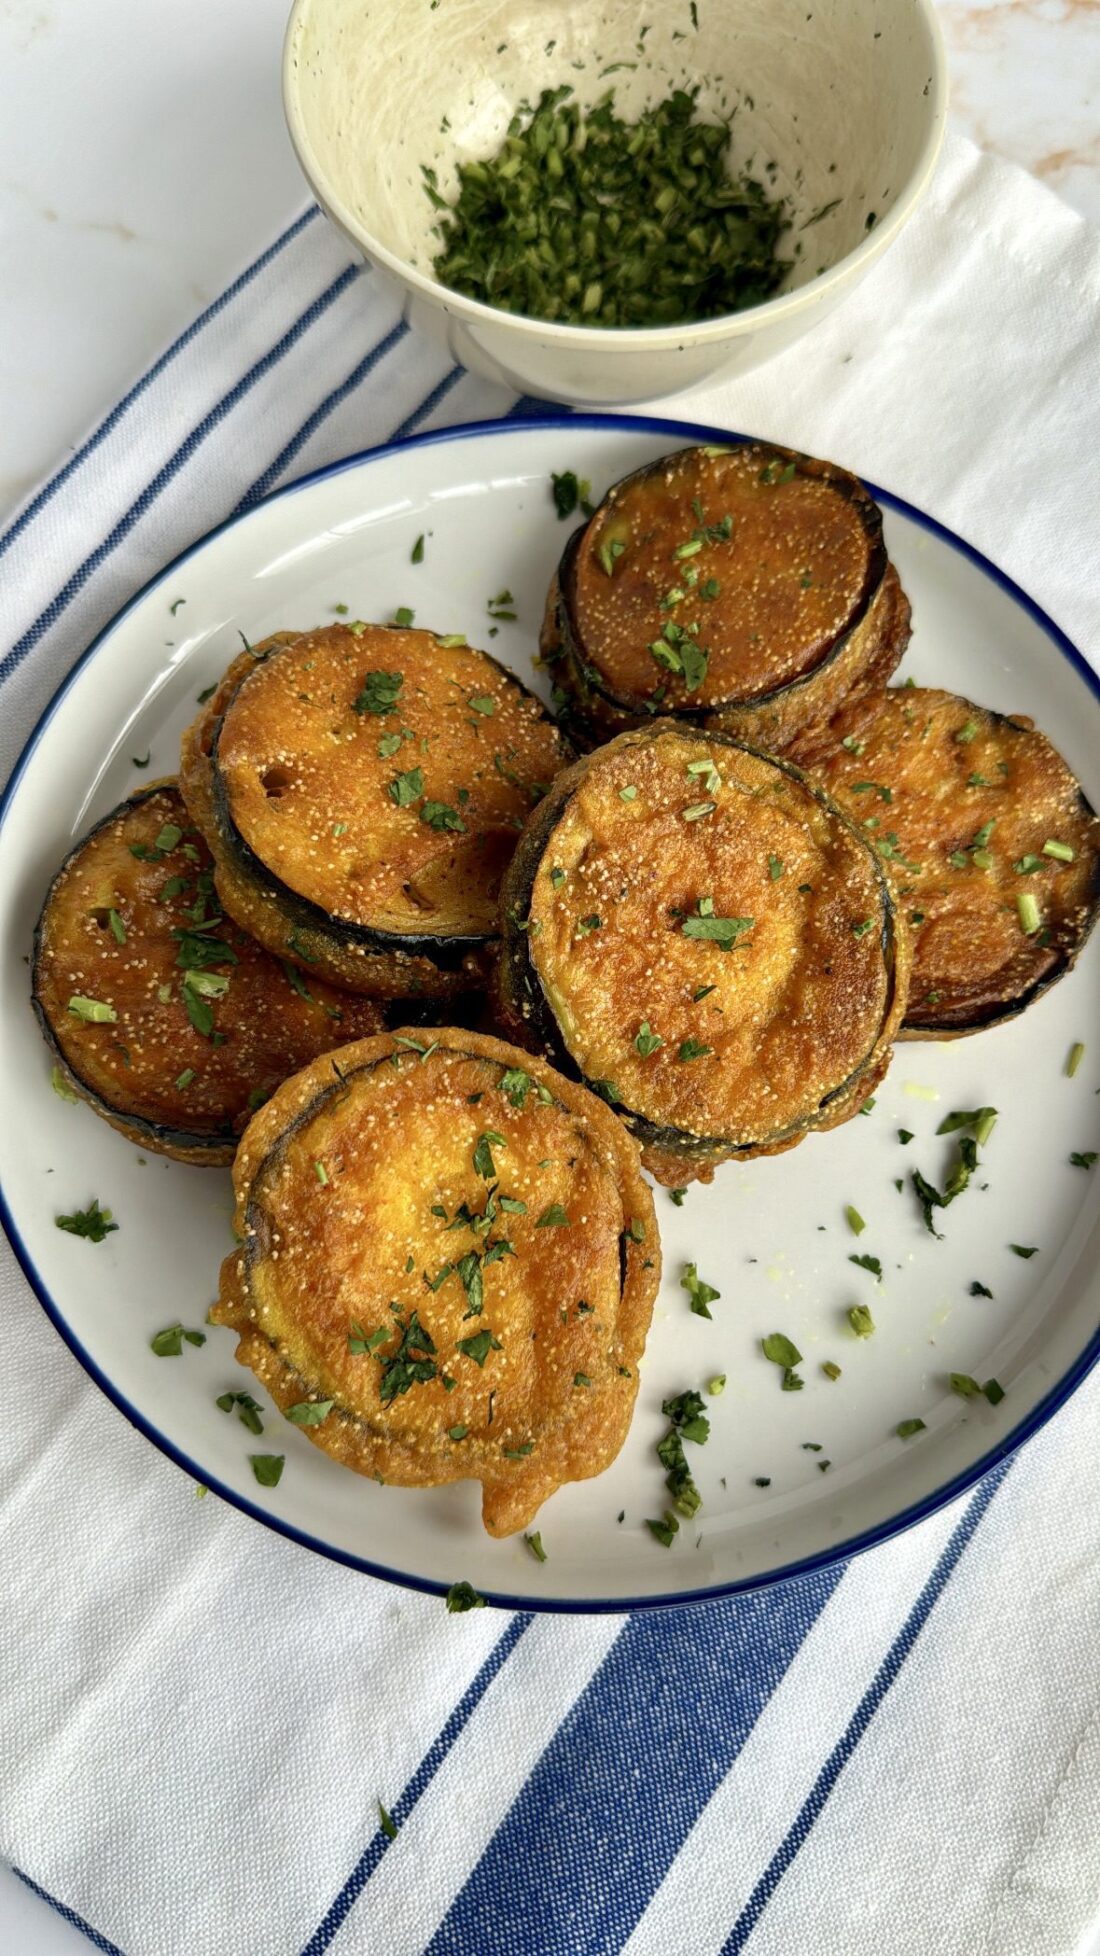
<point x="622" y="338"/>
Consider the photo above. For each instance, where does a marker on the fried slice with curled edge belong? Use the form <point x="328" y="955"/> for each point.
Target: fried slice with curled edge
<point x="361" y="787"/>
<point x="993" y="847"/>
<point x="705" y="938"/>
<point x="454" y="1249"/>
<point x="744" y="588"/>
<point x="160" y="1012"/>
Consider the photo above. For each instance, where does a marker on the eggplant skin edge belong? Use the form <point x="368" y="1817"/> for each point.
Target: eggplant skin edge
<point x="673" y="1154"/>
<point x="860" y="660"/>
<point x="179" y="1144"/>
<point x="379" y="963"/>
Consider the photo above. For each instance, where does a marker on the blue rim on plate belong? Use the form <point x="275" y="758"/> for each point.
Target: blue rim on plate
<point x="1059" y="1393"/>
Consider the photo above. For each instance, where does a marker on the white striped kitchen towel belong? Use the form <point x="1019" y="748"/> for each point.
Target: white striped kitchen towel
<point x="197" y="1718"/>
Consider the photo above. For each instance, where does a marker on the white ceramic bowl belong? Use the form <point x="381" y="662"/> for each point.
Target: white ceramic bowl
<point x="847" y="98"/>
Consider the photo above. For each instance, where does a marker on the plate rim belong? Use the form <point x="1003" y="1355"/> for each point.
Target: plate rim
<point x="967" y="1478"/>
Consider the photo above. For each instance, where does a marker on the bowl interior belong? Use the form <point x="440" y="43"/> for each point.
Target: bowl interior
<point x="832" y="101"/>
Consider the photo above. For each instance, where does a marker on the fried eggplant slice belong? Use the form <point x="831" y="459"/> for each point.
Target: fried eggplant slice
<point x="706" y="939"/>
<point x="746" y="589"/>
<point x="993" y="848"/>
<point x="159" y="1011"/>
<point x="452" y="1252"/>
<point x="361" y="788"/>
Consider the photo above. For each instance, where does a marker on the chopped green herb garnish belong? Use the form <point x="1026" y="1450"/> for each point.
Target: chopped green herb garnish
<point x="700" y="1293"/>
<point x="647" y="1042"/>
<point x="861" y="1321"/>
<point x="1060" y="851"/>
<point x="906" y="1428"/>
<point x="979" y="1290"/>
<point x="692" y="1049"/>
<point x="1025" y="1250"/>
<point x="870" y="1263"/>
<point x="717" y="1386"/>
<point x="92" y="1011"/>
<point x="780" y="1350"/>
<point x="412" y="1362"/>
<point x="1083" y="1160"/>
<point x="676" y="1197"/>
<point x="61" y="1086"/>
<point x="360" y="1341"/>
<point x="534" y="1543"/>
<point x="406" y="788"/>
<point x="309" y="1412"/>
<point x="964" y="1385"/>
<point x="664" y="1531"/>
<point x="830" y="1368"/>
<point x="1029" y="914"/>
<point x="553" y="1217"/>
<point x="170" y="1342"/>
<point x="439" y="815"/>
<point x="854" y="1220"/>
<point x="461" y="1596"/>
<point x="515" y="1084"/>
<point x="268" y="1468"/>
<point x="640" y="222"/>
<point x="379" y="694"/>
<point x="248" y="1409"/>
<point x="93" y="1223"/>
<point x="1074" y="1057"/>
<point x="981" y="1119"/>
<point x="484" y="1164"/>
<point x="569" y="490"/>
<point x="416" y="554"/>
<point x="479" y="1345"/>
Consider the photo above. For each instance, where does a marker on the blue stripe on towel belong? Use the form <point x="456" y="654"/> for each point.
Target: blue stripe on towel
<point x="864" y="1713"/>
<point x="139" y="507"/>
<point x="110" y="422"/>
<point x="418" y="1784"/>
<point x="70" y="1915"/>
<point x="592" y="1835"/>
<point x="439" y="393"/>
<point x="321" y="414"/>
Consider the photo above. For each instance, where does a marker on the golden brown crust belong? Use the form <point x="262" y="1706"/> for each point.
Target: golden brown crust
<point x="124" y="931"/>
<point x="702" y="934"/>
<point x="795" y="609"/>
<point x="340" y="1181"/>
<point x="972" y="794"/>
<point x="362" y="788"/>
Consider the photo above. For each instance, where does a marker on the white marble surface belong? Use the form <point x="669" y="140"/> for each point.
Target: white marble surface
<point x="143" y="161"/>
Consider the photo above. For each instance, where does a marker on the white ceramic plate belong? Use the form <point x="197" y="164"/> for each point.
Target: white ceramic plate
<point x="771" y="1235"/>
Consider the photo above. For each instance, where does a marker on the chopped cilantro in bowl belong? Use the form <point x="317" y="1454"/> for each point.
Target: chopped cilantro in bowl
<point x="589" y="219"/>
